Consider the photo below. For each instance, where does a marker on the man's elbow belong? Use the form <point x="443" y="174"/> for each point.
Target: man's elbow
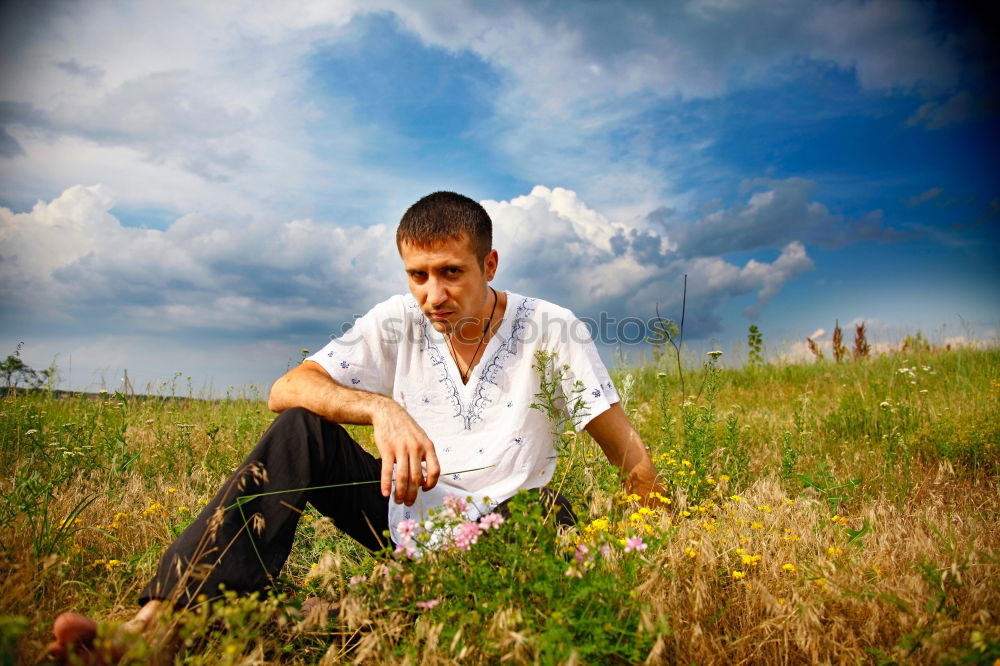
<point x="277" y="400"/>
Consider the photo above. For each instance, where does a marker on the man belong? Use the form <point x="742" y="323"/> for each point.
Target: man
<point x="445" y="376"/>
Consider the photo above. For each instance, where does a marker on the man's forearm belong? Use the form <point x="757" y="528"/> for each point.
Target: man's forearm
<point x="624" y="448"/>
<point x="309" y="386"/>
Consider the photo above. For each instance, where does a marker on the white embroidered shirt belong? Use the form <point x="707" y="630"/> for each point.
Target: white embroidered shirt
<point x="488" y="438"/>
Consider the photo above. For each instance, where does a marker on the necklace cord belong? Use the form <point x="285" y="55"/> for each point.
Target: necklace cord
<point x="451" y="348"/>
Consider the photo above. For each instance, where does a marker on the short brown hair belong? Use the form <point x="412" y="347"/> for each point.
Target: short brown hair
<point x="446" y="215"/>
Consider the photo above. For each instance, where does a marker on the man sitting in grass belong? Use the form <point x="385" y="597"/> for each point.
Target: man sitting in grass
<point x="446" y="376"/>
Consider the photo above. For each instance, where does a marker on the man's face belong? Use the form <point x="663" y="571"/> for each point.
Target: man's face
<point x="450" y="284"/>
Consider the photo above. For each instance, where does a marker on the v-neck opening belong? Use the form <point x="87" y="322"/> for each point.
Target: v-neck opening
<point x="490" y="350"/>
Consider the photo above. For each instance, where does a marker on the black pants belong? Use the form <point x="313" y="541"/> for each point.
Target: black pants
<point x="243" y="546"/>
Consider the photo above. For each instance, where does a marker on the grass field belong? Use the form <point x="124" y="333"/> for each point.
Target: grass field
<point x="818" y="513"/>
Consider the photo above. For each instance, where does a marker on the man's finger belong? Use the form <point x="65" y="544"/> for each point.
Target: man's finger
<point x="416" y="477"/>
<point x="402" y="478"/>
<point x="386" y="475"/>
<point x="433" y="468"/>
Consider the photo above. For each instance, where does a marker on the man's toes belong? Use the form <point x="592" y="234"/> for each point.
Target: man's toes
<point x="76" y="629"/>
<point x="55" y="651"/>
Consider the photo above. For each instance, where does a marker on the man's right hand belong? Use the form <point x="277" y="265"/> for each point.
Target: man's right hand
<point x="403" y="443"/>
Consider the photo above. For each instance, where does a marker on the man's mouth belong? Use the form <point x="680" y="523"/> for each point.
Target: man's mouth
<point x="439" y="315"/>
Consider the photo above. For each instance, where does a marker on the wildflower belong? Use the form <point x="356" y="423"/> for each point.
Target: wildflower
<point x="751" y="560"/>
<point x="839" y="519"/>
<point x="204" y="502"/>
<point x="634" y="543"/>
<point x="737" y="575"/>
<point x="756" y="525"/>
<point x="408" y="550"/>
<point x="456" y="505"/>
<point x="833" y="550"/>
<point x="691" y="552"/>
<point x="789" y="567"/>
<point x="67" y="523"/>
<point x="155" y="508"/>
<point x="466" y="534"/>
<point x="605" y="550"/>
<point x="355" y="580"/>
<point x="763" y="507"/>
<point x="581" y="553"/>
<point x="885" y="404"/>
<point x="406" y="528"/>
<point x="171" y="490"/>
<point x="427" y="605"/>
<point x="715" y="353"/>
<point x="685" y="514"/>
<point x="598" y="525"/>
<point x="491" y="521"/>
<point x="819" y="582"/>
<point x="723" y="477"/>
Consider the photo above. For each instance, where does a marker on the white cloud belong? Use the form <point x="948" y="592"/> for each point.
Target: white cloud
<point x="70" y="259"/>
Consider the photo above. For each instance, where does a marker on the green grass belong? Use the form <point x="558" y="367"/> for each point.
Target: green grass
<point x="819" y="512"/>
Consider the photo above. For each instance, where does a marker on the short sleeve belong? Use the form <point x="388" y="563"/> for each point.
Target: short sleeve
<point x="364" y="357"/>
<point x="586" y="384"/>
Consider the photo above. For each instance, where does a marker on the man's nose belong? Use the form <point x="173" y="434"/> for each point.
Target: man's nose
<point x="436" y="294"/>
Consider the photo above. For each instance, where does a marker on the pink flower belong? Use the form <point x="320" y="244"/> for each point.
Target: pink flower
<point x="407" y="549"/>
<point x="429" y="604"/>
<point x="455" y="504"/>
<point x="581" y="553"/>
<point x="406" y="528"/>
<point x="634" y="543"/>
<point x="491" y="521"/>
<point x="355" y="580"/>
<point x="605" y="550"/>
<point x="466" y="534"/>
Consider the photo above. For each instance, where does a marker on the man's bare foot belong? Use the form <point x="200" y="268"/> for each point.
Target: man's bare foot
<point x="77" y="641"/>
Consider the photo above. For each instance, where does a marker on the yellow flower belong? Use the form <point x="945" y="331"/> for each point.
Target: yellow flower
<point x="751" y="560"/>
<point x="202" y="501"/>
<point x="723" y="478"/>
<point x="789" y="567"/>
<point x="755" y="525"/>
<point x="737" y="575"/>
<point x="819" y="582"/>
<point x="155" y="508"/>
<point x="171" y="490"/>
<point x="833" y="550"/>
<point x="685" y="513"/>
<point x="691" y="552"/>
<point x="763" y="507"/>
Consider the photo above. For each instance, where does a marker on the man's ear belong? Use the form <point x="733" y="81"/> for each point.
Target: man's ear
<point x="490" y="262"/>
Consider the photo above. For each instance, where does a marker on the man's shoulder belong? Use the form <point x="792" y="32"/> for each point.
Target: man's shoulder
<point x="542" y="308"/>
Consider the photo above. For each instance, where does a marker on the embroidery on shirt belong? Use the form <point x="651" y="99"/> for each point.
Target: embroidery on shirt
<point x="345" y="365"/>
<point x="507" y="350"/>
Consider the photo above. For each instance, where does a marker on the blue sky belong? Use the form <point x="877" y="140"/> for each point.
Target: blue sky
<point x="208" y="190"/>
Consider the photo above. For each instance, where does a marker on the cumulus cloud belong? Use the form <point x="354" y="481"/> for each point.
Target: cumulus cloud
<point x="71" y="260"/>
<point x="781" y="211"/>
<point x="551" y="243"/>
